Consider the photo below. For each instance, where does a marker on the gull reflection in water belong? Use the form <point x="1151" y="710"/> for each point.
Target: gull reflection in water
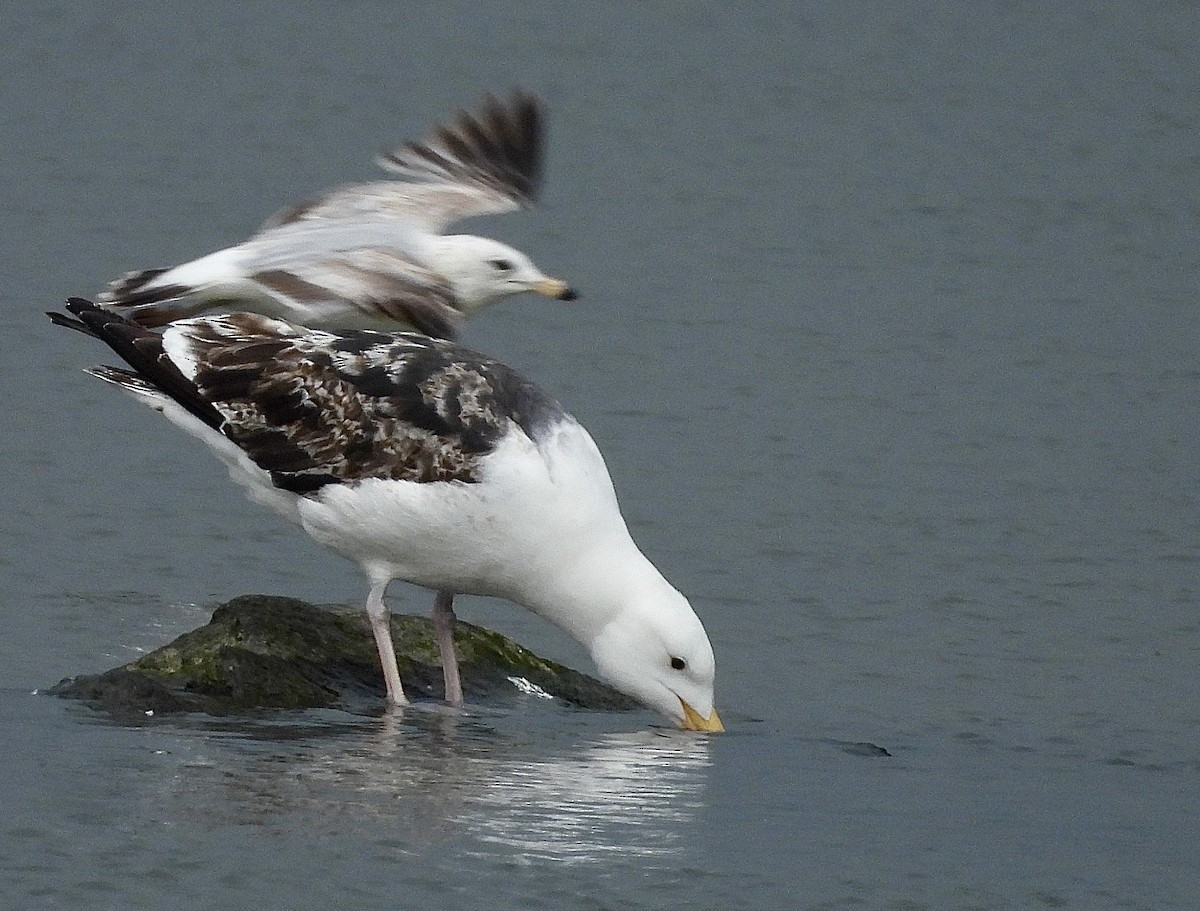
<point x="571" y="792"/>
<point x="630" y="793"/>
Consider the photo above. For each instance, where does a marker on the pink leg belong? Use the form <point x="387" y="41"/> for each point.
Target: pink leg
<point x="377" y="612"/>
<point x="443" y="626"/>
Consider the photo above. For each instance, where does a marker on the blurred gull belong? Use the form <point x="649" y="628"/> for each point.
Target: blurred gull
<point x="373" y="255"/>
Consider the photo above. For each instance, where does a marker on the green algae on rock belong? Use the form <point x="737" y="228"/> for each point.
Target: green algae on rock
<point x="262" y="652"/>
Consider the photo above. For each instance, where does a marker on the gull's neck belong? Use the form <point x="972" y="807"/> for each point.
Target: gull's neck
<point x="596" y="584"/>
<point x="577" y="565"/>
<point x="445" y="255"/>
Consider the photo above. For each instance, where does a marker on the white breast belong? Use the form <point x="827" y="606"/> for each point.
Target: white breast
<point x="535" y="508"/>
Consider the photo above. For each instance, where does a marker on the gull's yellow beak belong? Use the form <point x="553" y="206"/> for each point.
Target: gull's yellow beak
<point x="552" y="287"/>
<point x="694" y="721"/>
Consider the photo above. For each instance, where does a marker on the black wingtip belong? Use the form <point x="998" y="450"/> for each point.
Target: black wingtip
<point x="87" y="311"/>
<point x="96" y="320"/>
<point x="78" y="306"/>
<point x="81" y="305"/>
<point x="500" y="143"/>
<point x="61" y="319"/>
<point x="142" y="350"/>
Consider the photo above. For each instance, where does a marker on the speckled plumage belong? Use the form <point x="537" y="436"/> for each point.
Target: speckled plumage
<point x="314" y="408"/>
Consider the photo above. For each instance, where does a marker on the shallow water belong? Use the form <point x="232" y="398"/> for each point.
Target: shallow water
<point x="888" y="334"/>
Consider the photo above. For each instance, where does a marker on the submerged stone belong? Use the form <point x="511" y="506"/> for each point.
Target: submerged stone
<point x="261" y="652"/>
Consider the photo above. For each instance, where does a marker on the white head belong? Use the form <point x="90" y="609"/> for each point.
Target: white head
<point x="482" y="271"/>
<point x="659" y="654"/>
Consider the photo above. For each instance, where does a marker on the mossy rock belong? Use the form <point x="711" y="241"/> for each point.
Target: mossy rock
<point x="260" y="652"/>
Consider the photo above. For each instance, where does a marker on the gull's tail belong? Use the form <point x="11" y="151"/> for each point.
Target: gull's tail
<point x="141" y="297"/>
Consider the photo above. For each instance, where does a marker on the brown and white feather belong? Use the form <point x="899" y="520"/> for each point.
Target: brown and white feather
<point x="380" y="284"/>
<point x="314" y="408"/>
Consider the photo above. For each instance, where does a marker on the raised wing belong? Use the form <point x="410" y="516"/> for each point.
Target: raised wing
<point x="482" y="163"/>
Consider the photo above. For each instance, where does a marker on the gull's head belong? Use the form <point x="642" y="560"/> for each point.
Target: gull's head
<point x="660" y="654"/>
<point x="482" y="271"/>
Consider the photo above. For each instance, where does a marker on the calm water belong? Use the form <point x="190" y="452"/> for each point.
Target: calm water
<point x="889" y="335"/>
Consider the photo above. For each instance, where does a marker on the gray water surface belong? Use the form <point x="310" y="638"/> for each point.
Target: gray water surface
<point x="889" y="337"/>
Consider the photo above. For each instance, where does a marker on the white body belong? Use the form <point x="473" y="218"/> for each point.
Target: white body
<point x="358" y="267"/>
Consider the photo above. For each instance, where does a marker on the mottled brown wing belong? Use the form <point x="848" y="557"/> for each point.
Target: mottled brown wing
<point x="314" y="408"/>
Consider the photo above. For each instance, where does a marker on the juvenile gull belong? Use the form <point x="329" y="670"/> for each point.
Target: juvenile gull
<point x="374" y="255"/>
<point x="423" y="461"/>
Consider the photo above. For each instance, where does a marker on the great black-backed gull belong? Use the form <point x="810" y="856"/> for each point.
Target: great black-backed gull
<point x="423" y="461"/>
<point x="373" y="255"/>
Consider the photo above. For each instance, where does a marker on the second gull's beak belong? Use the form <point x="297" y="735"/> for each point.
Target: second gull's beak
<point x="552" y="287"/>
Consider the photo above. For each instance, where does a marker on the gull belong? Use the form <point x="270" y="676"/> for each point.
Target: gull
<point x="423" y="461"/>
<point x="375" y="255"/>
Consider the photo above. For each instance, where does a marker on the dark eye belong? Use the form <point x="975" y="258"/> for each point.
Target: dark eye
<point x="678" y="663"/>
<point x="500" y="265"/>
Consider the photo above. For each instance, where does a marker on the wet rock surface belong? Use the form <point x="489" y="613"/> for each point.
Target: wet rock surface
<point x="261" y="653"/>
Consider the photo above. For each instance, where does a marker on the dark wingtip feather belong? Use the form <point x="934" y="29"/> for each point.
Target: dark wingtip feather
<point x="61" y="319"/>
<point x="500" y="144"/>
<point x="142" y="350"/>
